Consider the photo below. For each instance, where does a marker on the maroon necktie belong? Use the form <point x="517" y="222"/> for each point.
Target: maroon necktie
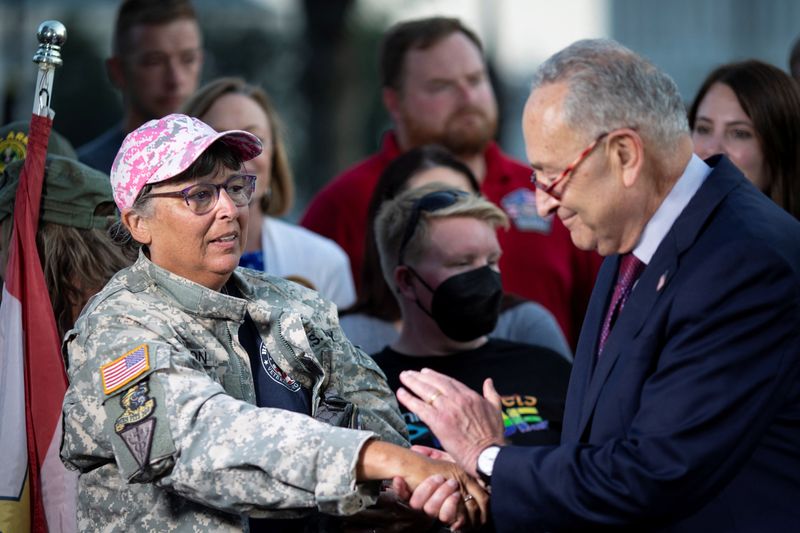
<point x="629" y="270"/>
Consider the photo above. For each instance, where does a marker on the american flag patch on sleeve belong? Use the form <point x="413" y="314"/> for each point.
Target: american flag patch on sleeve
<point x="124" y="369"/>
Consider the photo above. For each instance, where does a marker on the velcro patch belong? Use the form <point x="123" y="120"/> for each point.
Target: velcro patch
<point x="134" y="425"/>
<point x="125" y="369"/>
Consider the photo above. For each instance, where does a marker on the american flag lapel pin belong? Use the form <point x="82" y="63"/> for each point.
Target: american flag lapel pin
<point x="662" y="281"/>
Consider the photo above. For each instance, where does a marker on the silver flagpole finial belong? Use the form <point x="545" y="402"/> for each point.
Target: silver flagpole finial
<point x="51" y="35"/>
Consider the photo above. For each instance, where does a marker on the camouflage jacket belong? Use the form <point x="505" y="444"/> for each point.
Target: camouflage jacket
<point x="160" y="418"/>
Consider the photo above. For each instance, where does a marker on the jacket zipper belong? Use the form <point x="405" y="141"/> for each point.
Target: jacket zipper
<point x="310" y="366"/>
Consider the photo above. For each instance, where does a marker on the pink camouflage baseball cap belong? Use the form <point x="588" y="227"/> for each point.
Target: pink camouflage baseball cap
<point x="161" y="149"/>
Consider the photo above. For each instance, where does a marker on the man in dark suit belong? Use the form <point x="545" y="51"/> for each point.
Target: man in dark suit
<point x="683" y="410"/>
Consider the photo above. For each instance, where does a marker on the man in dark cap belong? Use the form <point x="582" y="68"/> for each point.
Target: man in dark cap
<point x="14" y="143"/>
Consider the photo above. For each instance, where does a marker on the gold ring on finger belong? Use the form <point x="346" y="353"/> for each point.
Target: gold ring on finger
<point x="433" y="397"/>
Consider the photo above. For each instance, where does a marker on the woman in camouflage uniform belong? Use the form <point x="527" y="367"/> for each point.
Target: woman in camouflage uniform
<point x="170" y="361"/>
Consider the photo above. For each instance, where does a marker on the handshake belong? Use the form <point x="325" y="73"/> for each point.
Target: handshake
<point x="441" y="485"/>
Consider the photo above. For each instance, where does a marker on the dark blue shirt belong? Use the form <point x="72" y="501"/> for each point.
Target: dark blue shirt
<point x="274" y="388"/>
<point x="254" y="260"/>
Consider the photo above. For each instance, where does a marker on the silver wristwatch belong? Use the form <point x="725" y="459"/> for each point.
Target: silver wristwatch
<point x="486" y="463"/>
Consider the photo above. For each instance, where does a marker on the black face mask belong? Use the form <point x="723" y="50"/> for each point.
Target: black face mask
<point x="467" y="305"/>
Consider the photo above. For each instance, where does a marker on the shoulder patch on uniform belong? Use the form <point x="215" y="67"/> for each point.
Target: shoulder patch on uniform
<point x="125" y="369"/>
<point x="134" y="425"/>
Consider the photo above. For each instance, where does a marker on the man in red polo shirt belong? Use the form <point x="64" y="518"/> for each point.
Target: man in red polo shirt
<point x="436" y="89"/>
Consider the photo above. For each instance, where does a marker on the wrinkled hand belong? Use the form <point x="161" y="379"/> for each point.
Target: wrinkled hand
<point x="463" y="421"/>
<point x="436" y="496"/>
<point x="432" y="493"/>
<point x="444" y="491"/>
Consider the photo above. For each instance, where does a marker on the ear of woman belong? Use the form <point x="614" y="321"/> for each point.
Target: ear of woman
<point x="137" y="226"/>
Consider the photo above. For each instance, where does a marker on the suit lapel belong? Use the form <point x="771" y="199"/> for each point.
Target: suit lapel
<point x="583" y="365"/>
<point x="630" y="321"/>
<point x="652" y="284"/>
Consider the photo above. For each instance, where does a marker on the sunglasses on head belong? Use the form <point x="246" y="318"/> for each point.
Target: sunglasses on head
<point x="433" y="201"/>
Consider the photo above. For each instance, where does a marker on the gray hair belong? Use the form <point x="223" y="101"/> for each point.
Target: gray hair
<point x="612" y="87"/>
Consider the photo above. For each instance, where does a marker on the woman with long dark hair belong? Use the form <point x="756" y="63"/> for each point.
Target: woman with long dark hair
<point x="750" y="111"/>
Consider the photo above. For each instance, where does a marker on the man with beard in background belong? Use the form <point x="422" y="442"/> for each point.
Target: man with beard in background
<point x="437" y="90"/>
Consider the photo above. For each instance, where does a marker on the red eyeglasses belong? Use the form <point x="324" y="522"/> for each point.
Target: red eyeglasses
<point x="549" y="189"/>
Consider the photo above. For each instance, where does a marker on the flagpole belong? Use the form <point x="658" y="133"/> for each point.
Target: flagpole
<point x="37" y="494"/>
<point x="51" y="35"/>
<point x="47" y="500"/>
<point x="54" y="489"/>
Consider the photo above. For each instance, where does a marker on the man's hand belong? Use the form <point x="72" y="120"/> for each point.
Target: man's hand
<point x="463" y="421"/>
<point x="462" y="503"/>
<point x="437" y="496"/>
<point x="448" y="494"/>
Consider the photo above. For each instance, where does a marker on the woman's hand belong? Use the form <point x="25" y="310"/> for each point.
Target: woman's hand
<point x="433" y="453"/>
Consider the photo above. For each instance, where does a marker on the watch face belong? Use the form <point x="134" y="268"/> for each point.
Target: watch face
<point x="486" y="459"/>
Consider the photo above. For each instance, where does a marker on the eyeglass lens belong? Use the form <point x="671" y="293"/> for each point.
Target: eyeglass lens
<point x="202" y="197"/>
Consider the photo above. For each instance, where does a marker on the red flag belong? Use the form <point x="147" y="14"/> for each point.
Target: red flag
<point x="30" y="343"/>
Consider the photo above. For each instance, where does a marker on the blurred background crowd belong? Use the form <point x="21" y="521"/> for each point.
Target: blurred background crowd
<point x="318" y="58"/>
<point x="374" y="124"/>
